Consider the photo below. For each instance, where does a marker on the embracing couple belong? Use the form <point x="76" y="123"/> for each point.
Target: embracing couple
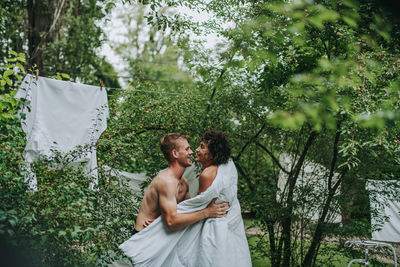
<point x="173" y="229"/>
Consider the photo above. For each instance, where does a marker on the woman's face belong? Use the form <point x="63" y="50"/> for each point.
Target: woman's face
<point x="203" y="154"/>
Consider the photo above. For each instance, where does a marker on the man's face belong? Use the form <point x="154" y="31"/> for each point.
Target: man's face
<point x="203" y="154"/>
<point x="183" y="152"/>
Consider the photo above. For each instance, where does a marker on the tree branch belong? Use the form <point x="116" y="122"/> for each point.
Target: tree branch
<point x="326" y="48"/>
<point x="335" y="153"/>
<point x="219" y="78"/>
<point x="287" y="218"/>
<point x="300" y="162"/>
<point x="56" y="15"/>
<point x="273" y="157"/>
<point x="319" y="230"/>
<point x="248" y="181"/>
<point x="249" y="142"/>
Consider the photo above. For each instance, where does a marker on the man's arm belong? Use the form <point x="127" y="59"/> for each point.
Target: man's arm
<point x="175" y="221"/>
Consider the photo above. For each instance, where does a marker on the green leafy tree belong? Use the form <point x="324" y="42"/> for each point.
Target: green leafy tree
<point x="159" y="96"/>
<point x="57" y="36"/>
<point x="317" y="81"/>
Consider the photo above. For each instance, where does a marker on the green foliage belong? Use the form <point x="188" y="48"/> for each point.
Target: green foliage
<point x="78" y="41"/>
<point x="10" y="31"/>
<point x="133" y="134"/>
<point x="9" y="77"/>
<point x="71" y="46"/>
<point x="299" y="85"/>
<point x="64" y="223"/>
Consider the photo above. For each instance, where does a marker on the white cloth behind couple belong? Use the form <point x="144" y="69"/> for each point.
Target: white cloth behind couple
<point x="212" y="242"/>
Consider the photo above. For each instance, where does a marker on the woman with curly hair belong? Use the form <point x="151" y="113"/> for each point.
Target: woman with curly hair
<point x="213" y="150"/>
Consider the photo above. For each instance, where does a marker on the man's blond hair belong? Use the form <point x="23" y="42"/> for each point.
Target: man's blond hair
<point x="169" y="142"/>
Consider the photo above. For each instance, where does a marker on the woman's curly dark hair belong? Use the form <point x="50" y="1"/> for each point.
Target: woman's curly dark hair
<point x="218" y="146"/>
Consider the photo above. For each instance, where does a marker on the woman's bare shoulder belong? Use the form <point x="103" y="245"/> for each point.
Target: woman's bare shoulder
<point x="209" y="173"/>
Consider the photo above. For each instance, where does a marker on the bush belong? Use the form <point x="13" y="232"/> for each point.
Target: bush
<point x="64" y="222"/>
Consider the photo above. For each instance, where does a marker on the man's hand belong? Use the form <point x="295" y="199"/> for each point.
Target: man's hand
<point x="217" y="210"/>
<point x="147" y="222"/>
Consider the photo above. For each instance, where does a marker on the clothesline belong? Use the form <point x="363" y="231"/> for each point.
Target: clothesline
<point x="136" y="90"/>
<point x="135" y="75"/>
<point x="155" y="92"/>
<point x="113" y="75"/>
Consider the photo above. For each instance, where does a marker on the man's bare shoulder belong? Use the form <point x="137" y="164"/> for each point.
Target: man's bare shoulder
<point x="164" y="180"/>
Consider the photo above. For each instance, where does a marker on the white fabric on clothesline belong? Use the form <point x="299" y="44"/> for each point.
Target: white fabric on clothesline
<point x="390" y="208"/>
<point x="211" y="242"/>
<point x="62" y="115"/>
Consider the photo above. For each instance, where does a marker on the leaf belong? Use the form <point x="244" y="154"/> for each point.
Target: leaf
<point x="8" y="73"/>
<point x="44" y="238"/>
<point x="22" y="59"/>
<point x="350" y="3"/>
<point x="350" y="21"/>
<point x="13" y="222"/>
<point x="110" y="5"/>
<point x="8" y="66"/>
<point x="18" y="77"/>
<point x="10" y="232"/>
<point x="74" y="235"/>
<point x="325" y="15"/>
<point x="19" y="65"/>
<point x="8" y="81"/>
<point x="65" y="76"/>
<point x="61" y="233"/>
<point x="13" y="53"/>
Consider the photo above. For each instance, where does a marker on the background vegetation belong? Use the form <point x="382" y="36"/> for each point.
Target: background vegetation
<point x="294" y="84"/>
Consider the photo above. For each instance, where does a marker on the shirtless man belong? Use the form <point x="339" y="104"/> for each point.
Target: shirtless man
<point x="169" y="188"/>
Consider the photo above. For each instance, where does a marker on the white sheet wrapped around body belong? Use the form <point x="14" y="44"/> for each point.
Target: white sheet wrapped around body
<point x="212" y="242"/>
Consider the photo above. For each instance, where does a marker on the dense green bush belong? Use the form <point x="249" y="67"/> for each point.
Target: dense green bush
<point x="64" y="222"/>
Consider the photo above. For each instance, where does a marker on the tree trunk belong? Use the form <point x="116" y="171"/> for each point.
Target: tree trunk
<point x="40" y="19"/>
<point x="287" y="220"/>
<point x="319" y="231"/>
<point x="318" y="234"/>
<point x="275" y="258"/>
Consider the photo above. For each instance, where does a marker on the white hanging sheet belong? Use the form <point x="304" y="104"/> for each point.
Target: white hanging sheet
<point x="62" y="115"/>
<point x="390" y="208"/>
<point x="212" y="242"/>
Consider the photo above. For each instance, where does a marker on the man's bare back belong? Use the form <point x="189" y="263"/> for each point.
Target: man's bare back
<point x="150" y="208"/>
